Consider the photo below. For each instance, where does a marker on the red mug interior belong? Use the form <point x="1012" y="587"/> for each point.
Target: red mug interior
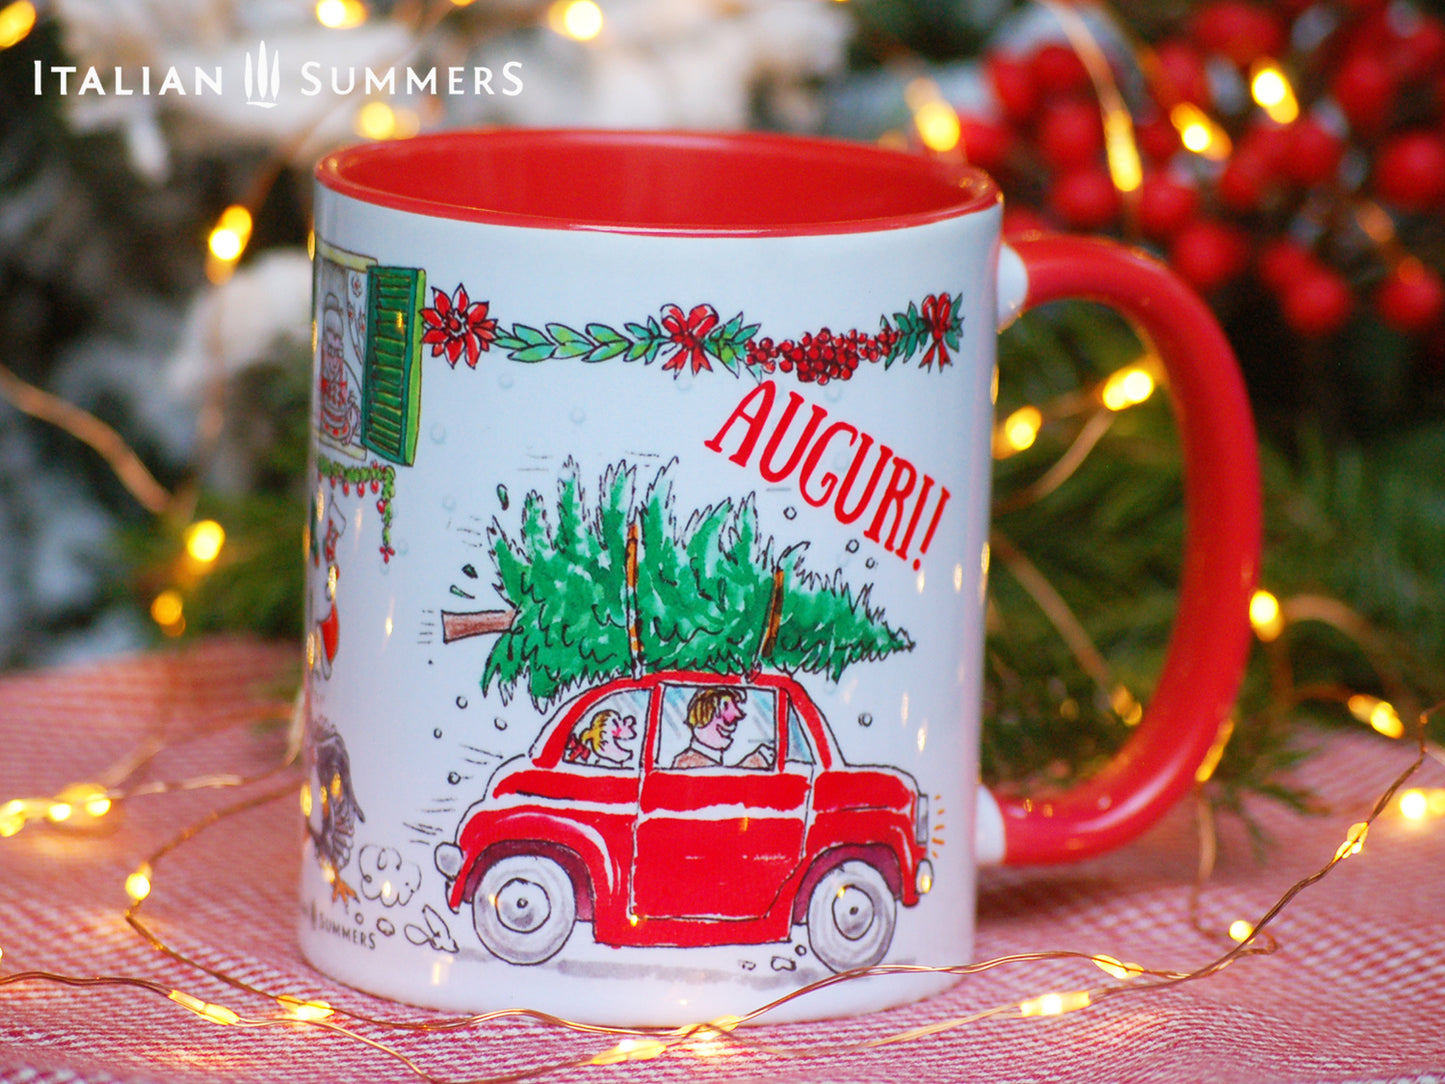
<point x="698" y="184"/>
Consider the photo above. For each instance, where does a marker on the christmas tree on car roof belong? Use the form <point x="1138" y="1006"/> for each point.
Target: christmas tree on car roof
<point x="625" y="587"/>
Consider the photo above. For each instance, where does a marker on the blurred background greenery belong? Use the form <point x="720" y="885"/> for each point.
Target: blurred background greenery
<point x="156" y="357"/>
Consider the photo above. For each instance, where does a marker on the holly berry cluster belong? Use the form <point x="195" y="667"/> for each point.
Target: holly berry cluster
<point x="1321" y="207"/>
<point x="822" y="357"/>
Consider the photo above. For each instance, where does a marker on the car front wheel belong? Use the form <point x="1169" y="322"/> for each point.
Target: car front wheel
<point x="851" y="915"/>
<point x="524" y="909"/>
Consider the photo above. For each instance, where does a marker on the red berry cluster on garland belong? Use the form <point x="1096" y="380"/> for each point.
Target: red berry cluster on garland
<point x="1296" y="203"/>
<point x="822" y="357"/>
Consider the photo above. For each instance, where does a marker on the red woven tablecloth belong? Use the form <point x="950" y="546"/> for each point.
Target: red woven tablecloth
<point x="1355" y="992"/>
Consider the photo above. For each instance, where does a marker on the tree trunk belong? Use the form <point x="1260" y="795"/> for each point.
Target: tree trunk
<point x="477" y="623"/>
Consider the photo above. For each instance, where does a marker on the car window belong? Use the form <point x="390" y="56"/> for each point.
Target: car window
<point x="800" y="750"/>
<point x="610" y="733"/>
<point x="731" y="727"/>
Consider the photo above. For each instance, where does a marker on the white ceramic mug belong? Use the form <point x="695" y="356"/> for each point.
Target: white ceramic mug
<point x="648" y="553"/>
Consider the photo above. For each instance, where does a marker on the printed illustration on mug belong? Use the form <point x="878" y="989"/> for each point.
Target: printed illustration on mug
<point x="691" y="793"/>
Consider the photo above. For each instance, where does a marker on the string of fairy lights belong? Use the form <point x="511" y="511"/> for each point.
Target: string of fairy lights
<point x="88" y="806"/>
<point x="85" y="806"/>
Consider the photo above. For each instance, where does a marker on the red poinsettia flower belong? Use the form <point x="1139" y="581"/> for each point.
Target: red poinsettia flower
<point x="458" y="323"/>
<point x="687" y="333"/>
<point x="938" y="315"/>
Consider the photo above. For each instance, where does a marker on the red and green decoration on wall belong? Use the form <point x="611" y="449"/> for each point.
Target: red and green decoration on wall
<point x="376" y="480"/>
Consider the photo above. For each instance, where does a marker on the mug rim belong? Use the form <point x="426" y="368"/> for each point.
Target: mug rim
<point x="678" y="183"/>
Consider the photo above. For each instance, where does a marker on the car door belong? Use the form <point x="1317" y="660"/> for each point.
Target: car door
<point x="716" y="840"/>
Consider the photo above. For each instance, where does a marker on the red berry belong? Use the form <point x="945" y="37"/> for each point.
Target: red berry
<point x="1421" y="50"/>
<point x="1019" y="219"/>
<point x="1071" y="134"/>
<point x="1412" y="298"/>
<point x="1245" y="180"/>
<point x="1317" y="303"/>
<point x="990" y="145"/>
<point x="1085" y="199"/>
<point x="1241" y="31"/>
<point x="1183" y="74"/>
<point x="1165" y="205"/>
<point x="1281" y="262"/>
<point x="1158" y="138"/>
<point x="1364" y="89"/>
<point x="1057" y="70"/>
<point x="1271" y="143"/>
<point x="1207" y="253"/>
<point x="1013" y="86"/>
<point x="1314" y="152"/>
<point x="1410" y="171"/>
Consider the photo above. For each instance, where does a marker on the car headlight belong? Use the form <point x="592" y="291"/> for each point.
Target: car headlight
<point x="923" y="880"/>
<point x="920" y="820"/>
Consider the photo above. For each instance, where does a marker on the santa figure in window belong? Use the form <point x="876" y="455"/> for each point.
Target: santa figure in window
<point x="340" y="408"/>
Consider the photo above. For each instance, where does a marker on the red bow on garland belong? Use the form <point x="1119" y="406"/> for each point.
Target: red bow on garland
<point x="687" y="333"/>
<point x="938" y="314"/>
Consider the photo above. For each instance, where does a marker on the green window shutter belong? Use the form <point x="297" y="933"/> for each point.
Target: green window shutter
<point x="391" y="395"/>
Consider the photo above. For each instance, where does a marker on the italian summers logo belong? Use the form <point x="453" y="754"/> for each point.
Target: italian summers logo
<point x="260" y="80"/>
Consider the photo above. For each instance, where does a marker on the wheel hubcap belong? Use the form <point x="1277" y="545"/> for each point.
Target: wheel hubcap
<point x="522" y="905"/>
<point x="852" y="912"/>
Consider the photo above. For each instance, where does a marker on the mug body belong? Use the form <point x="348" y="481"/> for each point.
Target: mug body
<point x="646" y="562"/>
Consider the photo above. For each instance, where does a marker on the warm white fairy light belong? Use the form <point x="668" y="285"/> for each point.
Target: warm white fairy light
<point x="1354" y="842"/>
<point x="340" y="14"/>
<point x="580" y="20"/>
<point x="203" y="541"/>
<point x="1056" y="1004"/>
<point x="16" y="22"/>
<point x="1018" y="432"/>
<point x="1207" y="767"/>
<point x="935" y="120"/>
<point x="12" y="818"/>
<point x="1127" y="387"/>
<point x="1265" y="617"/>
<point x="630" y="1050"/>
<point x="379" y="120"/>
<point x="217" y="1014"/>
<point x="1198" y="132"/>
<point x="1414" y="805"/>
<point x="300" y="1009"/>
<point x="1272" y="92"/>
<point x="138" y="884"/>
<point x="1116" y="968"/>
<point x="1126" y="706"/>
<point x="1240" y="930"/>
<point x="1379" y="714"/>
<point x="168" y="611"/>
<point x="231" y="233"/>
<point x="79" y="805"/>
<point x="227" y="242"/>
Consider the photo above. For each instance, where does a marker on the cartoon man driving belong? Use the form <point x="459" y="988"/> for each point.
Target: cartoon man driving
<point x="602" y="740"/>
<point x="713" y="716"/>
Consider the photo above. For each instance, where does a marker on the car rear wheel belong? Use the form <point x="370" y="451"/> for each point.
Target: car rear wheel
<point x="851" y="915"/>
<point x="524" y="908"/>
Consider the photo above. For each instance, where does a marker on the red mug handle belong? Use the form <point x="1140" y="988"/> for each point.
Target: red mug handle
<point x="1210" y="640"/>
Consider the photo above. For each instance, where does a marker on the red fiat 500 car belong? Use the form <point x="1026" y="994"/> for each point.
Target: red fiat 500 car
<point x="687" y="808"/>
